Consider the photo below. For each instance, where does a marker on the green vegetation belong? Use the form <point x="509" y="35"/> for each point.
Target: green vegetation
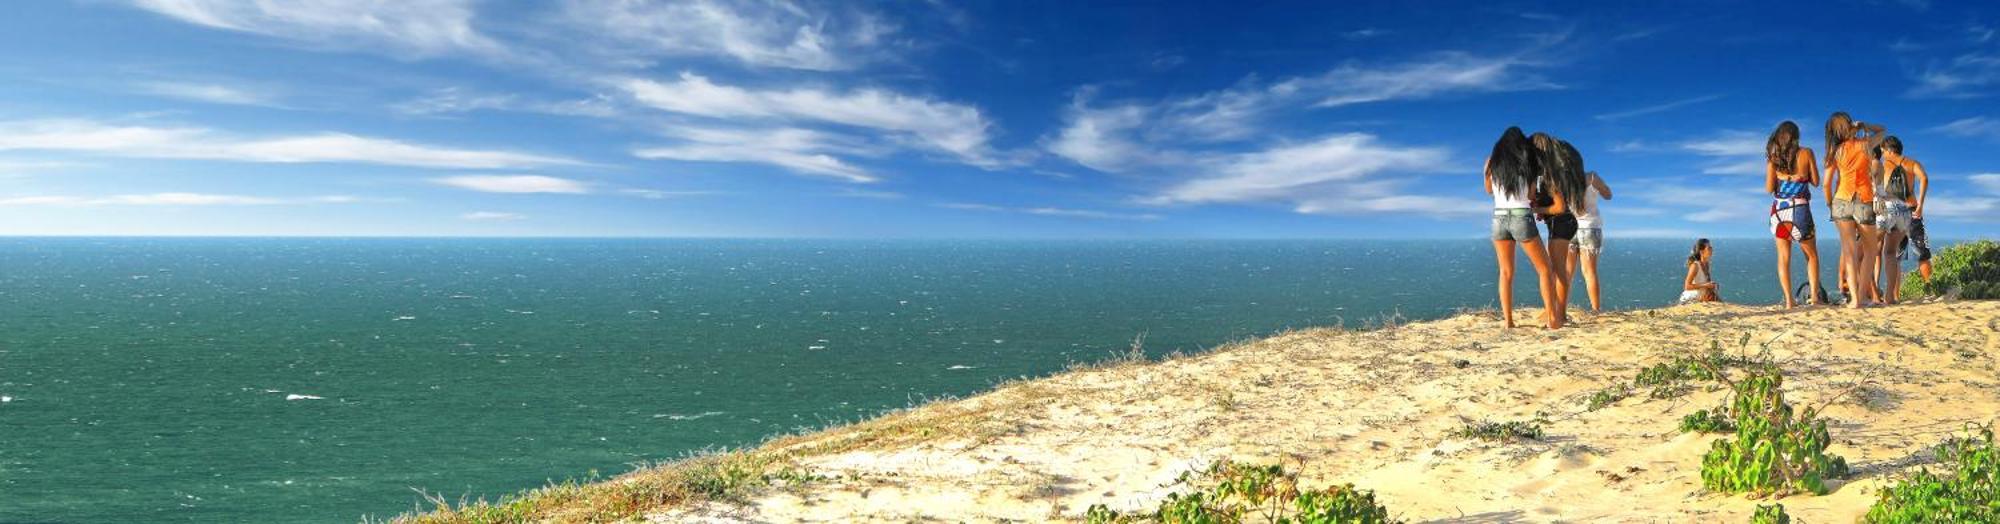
<point x="1776" y="451"/>
<point x="1501" y="431"/>
<point x="1607" y="396"/>
<point x="1671" y="379"/>
<point x="1245" y="494"/>
<point x="1708" y="421"/>
<point x="1968" y="491"/>
<point x="1772" y="514"/>
<point x="1973" y="268"/>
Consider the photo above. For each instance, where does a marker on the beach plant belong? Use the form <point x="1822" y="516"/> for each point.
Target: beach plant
<point x="1606" y="397"/>
<point x="1245" y="493"/>
<point x="1772" y="514"/>
<point x="1967" y="490"/>
<point x="1492" y="431"/>
<point x="1708" y="421"/>
<point x="1777" y="449"/>
<point x="1673" y="378"/>
<point x="1972" y="268"/>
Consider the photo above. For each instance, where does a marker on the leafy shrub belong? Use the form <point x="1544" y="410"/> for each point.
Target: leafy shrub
<point x="1245" y="493"/>
<point x="1708" y="421"/>
<point x="1772" y="514"/>
<point x="1973" y="268"/>
<point x="1968" y="492"/>
<point x="1607" y="396"/>
<point x="1775" y="451"/>
<point x="1501" y="431"/>
<point x="1670" y="379"/>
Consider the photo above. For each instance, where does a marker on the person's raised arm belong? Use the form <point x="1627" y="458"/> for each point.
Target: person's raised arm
<point x="1876" y="134"/>
<point x="1488" y="170"/>
<point x="1924" y="180"/>
<point x="1602" y="188"/>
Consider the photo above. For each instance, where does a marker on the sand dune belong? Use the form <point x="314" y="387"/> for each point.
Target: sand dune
<point x="1374" y="408"/>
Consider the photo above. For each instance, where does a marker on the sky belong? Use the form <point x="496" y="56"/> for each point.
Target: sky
<point x="1028" y="119"/>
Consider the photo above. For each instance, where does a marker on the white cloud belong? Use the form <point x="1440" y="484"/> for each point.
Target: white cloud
<point x="172" y="199"/>
<point x="492" y="216"/>
<point x="656" y="194"/>
<point x="453" y="100"/>
<point x="1440" y="74"/>
<point x="1974" y="127"/>
<point x="1976" y="208"/>
<point x="514" y="184"/>
<point x="1054" y="212"/>
<point x="1102" y="139"/>
<point x="1702" y="200"/>
<point x="1988" y="181"/>
<point x="758" y="33"/>
<point x="953" y="128"/>
<point x="800" y="151"/>
<point x="210" y="93"/>
<point x="1969" y="75"/>
<point x="204" y="144"/>
<point x="1304" y="173"/>
<point x="1657" y="108"/>
<point x="1731" y="153"/>
<point x="418" y="27"/>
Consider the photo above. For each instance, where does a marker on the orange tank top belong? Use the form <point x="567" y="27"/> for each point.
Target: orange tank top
<point x="1855" y="183"/>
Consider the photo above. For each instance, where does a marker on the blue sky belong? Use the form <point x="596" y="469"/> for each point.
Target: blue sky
<point x="949" y="119"/>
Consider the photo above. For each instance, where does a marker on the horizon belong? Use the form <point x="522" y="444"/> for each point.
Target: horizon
<point x="717" y="119"/>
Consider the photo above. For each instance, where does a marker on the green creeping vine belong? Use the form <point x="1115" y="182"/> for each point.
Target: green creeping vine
<point x="1772" y="514"/>
<point x="1968" y="492"/>
<point x="1775" y="451"/>
<point x="1250" y="494"/>
<point x="1501" y="431"/>
<point x="1707" y="421"/>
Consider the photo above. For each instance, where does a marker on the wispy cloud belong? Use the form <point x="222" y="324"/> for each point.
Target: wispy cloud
<point x="1053" y="212"/>
<point x="172" y="199"/>
<point x="1987" y="181"/>
<point x="1302" y="172"/>
<point x="1702" y="201"/>
<point x="210" y="93"/>
<point x="1974" y="127"/>
<point x="197" y="143"/>
<point x="1658" y="108"/>
<point x="953" y="128"/>
<point x="416" y="28"/>
<point x="1972" y="70"/>
<point x="660" y="194"/>
<point x="800" y="151"/>
<point x="452" y="101"/>
<point x="1733" y="152"/>
<point x="756" y="33"/>
<point x="492" y="216"/>
<point x="514" y="184"/>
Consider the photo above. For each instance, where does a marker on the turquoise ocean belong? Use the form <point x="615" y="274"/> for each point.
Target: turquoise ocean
<point x="324" y="380"/>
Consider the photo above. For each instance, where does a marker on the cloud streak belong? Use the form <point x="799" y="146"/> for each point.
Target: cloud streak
<point x="172" y="199"/>
<point x="761" y="34"/>
<point x="195" y="143"/>
<point x="952" y="128"/>
<point x="1659" y="108"/>
<point x="416" y="28"/>
<point x="514" y="184"/>
<point x="800" y="151"/>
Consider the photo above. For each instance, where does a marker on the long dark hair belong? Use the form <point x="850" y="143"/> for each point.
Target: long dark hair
<point x="1569" y="178"/>
<point x="1839" y="128"/>
<point x="1782" y="149"/>
<point x="1694" y="255"/>
<point x="1513" y="165"/>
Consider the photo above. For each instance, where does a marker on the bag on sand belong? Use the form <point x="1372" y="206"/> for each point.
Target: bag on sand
<point x="1801" y="297"/>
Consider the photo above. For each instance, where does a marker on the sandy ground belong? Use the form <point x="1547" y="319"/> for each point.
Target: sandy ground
<point x="1374" y="409"/>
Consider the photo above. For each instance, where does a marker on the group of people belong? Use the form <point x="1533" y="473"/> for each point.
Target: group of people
<point x="1876" y="198"/>
<point x="1875" y="195"/>
<point x="1541" y="178"/>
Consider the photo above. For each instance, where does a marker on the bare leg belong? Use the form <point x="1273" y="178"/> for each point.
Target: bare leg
<point x="1590" y="276"/>
<point x="1870" y="238"/>
<point x="1850" y="257"/>
<point x="1892" y="267"/>
<point x="1503" y="252"/>
<point x="1542" y="273"/>
<point x="1559" y="264"/>
<point x="1785" y="270"/>
<point x="1811" y="248"/>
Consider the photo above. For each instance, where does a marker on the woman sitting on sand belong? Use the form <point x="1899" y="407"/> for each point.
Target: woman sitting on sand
<point x="1790" y="172"/>
<point x="1700" y="286"/>
<point x="1511" y="177"/>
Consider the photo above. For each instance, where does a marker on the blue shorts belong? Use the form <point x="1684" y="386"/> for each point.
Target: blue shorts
<point x="1515" y="224"/>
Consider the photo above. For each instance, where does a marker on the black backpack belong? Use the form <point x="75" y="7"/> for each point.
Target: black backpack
<point x="1801" y="297"/>
<point x="1898" y="186"/>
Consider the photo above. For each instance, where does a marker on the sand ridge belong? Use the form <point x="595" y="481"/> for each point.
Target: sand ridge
<point x="1374" y="408"/>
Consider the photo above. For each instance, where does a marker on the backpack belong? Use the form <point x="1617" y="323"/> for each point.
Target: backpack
<point x="1801" y="297"/>
<point x="1898" y="185"/>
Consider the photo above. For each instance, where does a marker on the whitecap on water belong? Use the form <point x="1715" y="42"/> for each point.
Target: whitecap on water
<point x="406" y="317"/>
<point x="678" y="416"/>
<point x="961" y="366"/>
<point x="296" y="396"/>
<point x="5" y="399"/>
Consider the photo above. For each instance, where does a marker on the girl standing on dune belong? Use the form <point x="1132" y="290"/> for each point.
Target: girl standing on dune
<point x="1589" y="237"/>
<point x="1566" y="182"/>
<point x="1512" y="178"/>
<point x="1853" y="200"/>
<point x="1900" y="194"/>
<point x="1789" y="174"/>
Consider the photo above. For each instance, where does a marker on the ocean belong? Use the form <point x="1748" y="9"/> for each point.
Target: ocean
<point x="324" y="380"/>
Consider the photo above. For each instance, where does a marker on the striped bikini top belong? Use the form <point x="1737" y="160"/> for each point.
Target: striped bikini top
<point x="1790" y="189"/>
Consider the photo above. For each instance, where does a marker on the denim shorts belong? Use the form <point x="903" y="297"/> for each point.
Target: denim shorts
<point x="1893" y="215"/>
<point x="1588" y="240"/>
<point x="1858" y="212"/>
<point x="1515" y="224"/>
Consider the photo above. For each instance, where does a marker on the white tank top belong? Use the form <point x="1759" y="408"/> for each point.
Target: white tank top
<point x="1501" y="200"/>
<point x="1586" y="211"/>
